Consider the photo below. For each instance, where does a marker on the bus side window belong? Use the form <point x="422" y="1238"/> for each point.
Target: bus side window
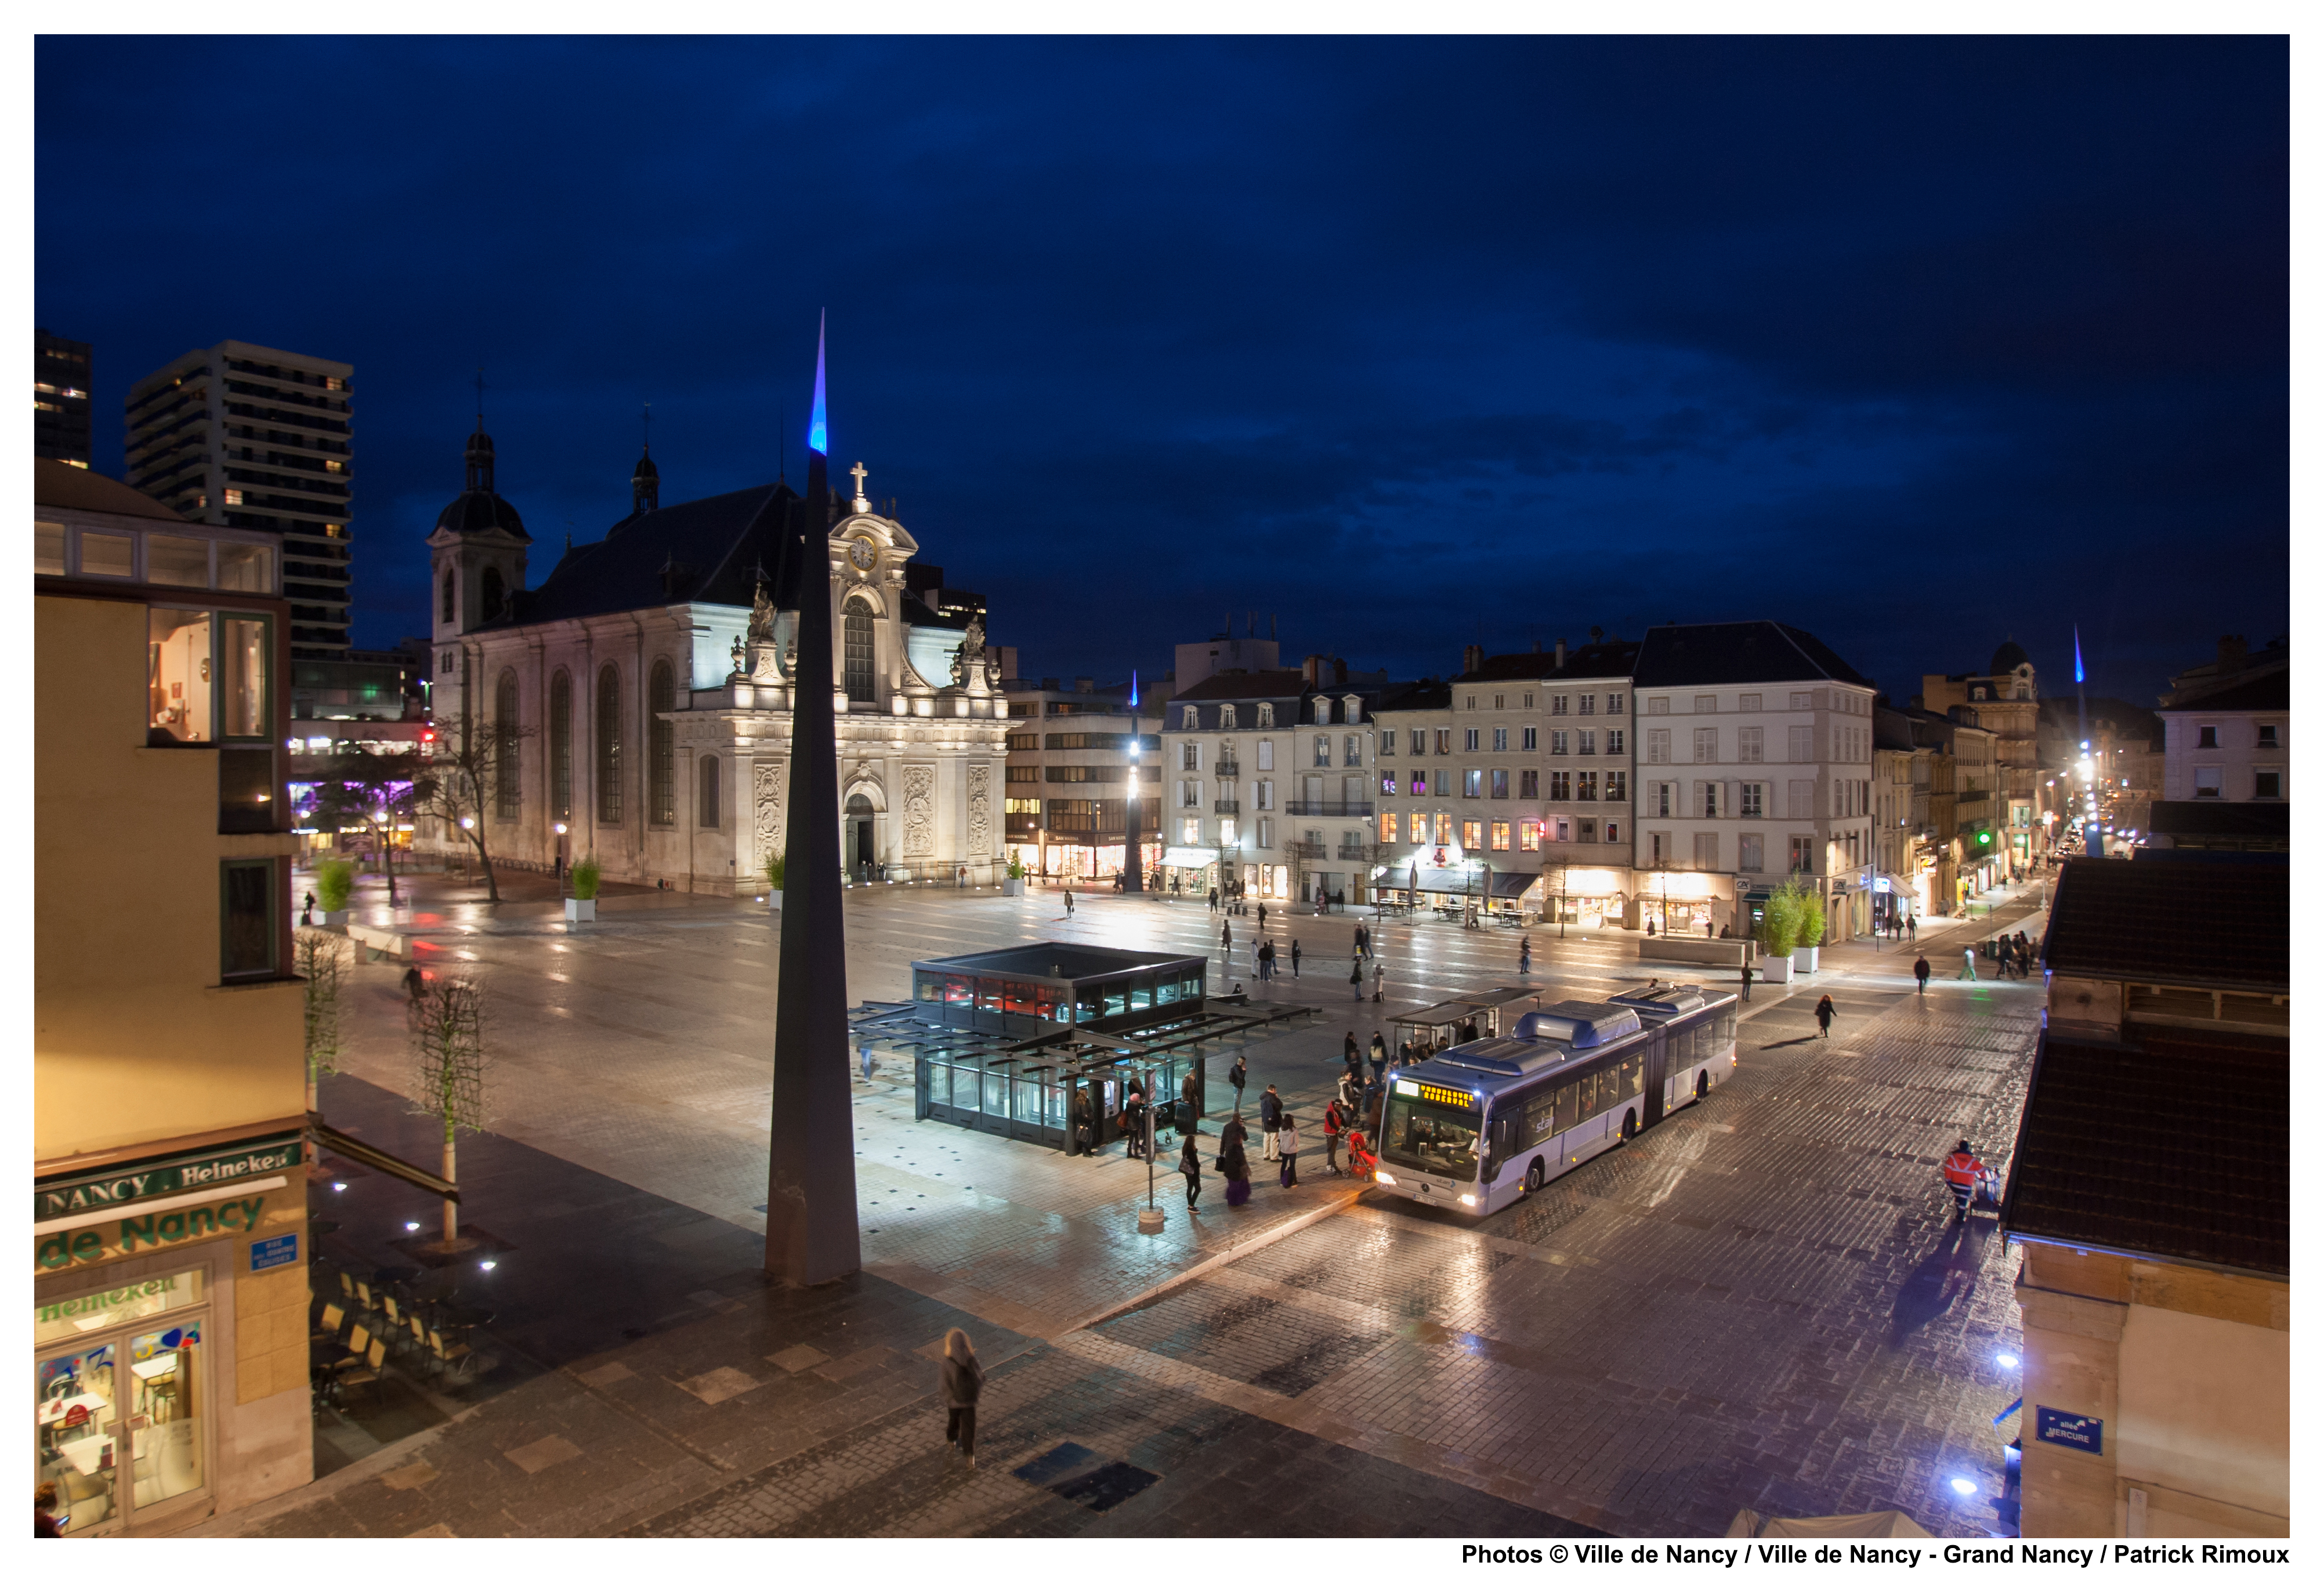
<point x="1540" y="1119"/>
<point x="1632" y="1068"/>
<point x="1565" y="1115"/>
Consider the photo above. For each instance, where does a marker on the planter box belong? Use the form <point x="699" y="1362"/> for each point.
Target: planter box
<point x="774" y="900"/>
<point x="1012" y="887"/>
<point x="1721" y="953"/>
<point x="337" y="920"/>
<point x="1775" y="969"/>
<point x="577" y="912"/>
<point x="1806" y="957"/>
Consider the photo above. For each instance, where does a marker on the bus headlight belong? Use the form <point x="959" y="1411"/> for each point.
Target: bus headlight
<point x="1468" y="1201"/>
<point x="1384" y="1176"/>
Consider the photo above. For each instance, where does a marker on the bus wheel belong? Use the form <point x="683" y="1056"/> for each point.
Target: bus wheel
<point x="1702" y="1083"/>
<point x="1630" y="1123"/>
<point x="1534" y="1179"/>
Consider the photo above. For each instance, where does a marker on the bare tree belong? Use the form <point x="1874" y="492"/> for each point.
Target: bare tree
<point x="322" y="961"/>
<point x="368" y="791"/>
<point x="1555" y="871"/>
<point x="449" y="1063"/>
<point x="471" y="778"/>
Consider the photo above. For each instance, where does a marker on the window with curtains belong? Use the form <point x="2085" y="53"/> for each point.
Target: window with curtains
<point x="609" y="746"/>
<point x="662" y="700"/>
<point x="506" y="759"/>
<point x="713" y="791"/>
<point x="560" y="746"/>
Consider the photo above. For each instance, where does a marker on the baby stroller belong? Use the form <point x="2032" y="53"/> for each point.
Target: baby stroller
<point x="1361" y="1166"/>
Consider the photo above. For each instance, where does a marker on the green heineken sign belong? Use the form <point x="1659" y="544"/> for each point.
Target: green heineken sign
<point x="60" y="1200"/>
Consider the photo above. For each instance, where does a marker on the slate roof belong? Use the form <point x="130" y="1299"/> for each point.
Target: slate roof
<point x="2213" y="817"/>
<point x="1611" y="658"/>
<point x="719" y="545"/>
<point x="1683" y="654"/>
<point x="2269" y="691"/>
<point x="2198" y="925"/>
<point x="1229" y="685"/>
<point x="1427" y="694"/>
<point x="2174" y="1145"/>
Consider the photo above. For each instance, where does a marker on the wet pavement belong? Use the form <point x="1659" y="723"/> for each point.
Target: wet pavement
<point x="1760" y="1303"/>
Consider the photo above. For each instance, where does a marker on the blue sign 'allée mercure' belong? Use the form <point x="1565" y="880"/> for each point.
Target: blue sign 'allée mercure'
<point x="2067" y="1430"/>
<point x="282" y="1251"/>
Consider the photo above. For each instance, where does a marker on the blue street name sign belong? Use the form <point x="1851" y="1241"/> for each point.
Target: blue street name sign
<point x="2069" y="1430"/>
<point x="282" y="1251"/>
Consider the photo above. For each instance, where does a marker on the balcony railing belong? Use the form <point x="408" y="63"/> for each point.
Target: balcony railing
<point x="1355" y="854"/>
<point x="1330" y="811"/>
<point x="1229" y="806"/>
<point x="1227" y="767"/>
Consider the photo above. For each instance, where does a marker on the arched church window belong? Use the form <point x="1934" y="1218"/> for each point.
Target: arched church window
<point x="451" y="596"/>
<point x="713" y="790"/>
<point x="857" y="652"/>
<point x="560" y="746"/>
<point x="662" y="692"/>
<point x="507" y="762"/>
<point x="609" y="746"/>
<point x="495" y="593"/>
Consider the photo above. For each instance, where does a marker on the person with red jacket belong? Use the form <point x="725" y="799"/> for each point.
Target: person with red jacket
<point x="1335" y="1126"/>
<point x="1966" y="1175"/>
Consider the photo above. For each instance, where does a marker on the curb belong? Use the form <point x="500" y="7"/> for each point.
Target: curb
<point x="1236" y="1252"/>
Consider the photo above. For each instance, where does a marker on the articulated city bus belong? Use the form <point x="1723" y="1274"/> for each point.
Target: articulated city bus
<point x="1480" y="1125"/>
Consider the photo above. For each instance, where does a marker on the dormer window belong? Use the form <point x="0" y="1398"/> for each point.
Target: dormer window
<point x="1191" y="719"/>
<point x="1227" y="717"/>
<point x="1352" y="710"/>
<point x="1266" y="715"/>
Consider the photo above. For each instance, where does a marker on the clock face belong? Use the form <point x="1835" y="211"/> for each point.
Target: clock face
<point x="862" y="553"/>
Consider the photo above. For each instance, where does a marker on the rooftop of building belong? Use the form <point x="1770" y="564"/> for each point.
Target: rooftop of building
<point x="2168" y="1144"/>
<point x="1702" y="654"/>
<point x="2218" y="819"/>
<point x="715" y="549"/>
<point x="2198" y="925"/>
<point x="59" y="485"/>
<point x="1428" y="693"/>
<point x="1227" y="687"/>
<point x="2268" y="692"/>
<point x="1058" y="959"/>
<point x="1611" y="658"/>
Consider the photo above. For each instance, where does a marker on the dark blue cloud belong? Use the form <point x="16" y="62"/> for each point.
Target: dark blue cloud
<point x="1917" y="344"/>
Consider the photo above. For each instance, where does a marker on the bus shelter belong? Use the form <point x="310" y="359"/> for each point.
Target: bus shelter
<point x="1462" y="1019"/>
<point x="1030" y="991"/>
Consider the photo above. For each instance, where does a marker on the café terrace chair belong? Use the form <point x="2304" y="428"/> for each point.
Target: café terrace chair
<point x="366" y="1375"/>
<point x="449" y="1356"/>
<point x="327" y="1331"/>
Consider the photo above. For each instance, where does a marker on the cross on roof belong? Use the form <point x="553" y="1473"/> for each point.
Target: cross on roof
<point x="859" y="472"/>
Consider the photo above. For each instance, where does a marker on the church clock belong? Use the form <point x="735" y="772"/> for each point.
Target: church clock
<point x="862" y="553"/>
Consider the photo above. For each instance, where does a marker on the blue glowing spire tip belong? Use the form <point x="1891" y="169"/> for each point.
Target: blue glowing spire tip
<point x="1133" y="687"/>
<point x="2077" y="652"/>
<point x="818" y="437"/>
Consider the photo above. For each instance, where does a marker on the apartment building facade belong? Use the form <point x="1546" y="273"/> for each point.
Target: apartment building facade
<point x="1067" y="793"/>
<point x="1230" y="748"/>
<point x="260" y="439"/>
<point x="1754" y="767"/>
<point x="60" y="403"/>
<point x="2006" y="701"/>
<point x="2231" y="744"/>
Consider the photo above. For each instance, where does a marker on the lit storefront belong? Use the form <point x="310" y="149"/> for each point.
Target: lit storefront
<point x="1591" y="898"/>
<point x="1682" y="903"/>
<point x="169" y="1333"/>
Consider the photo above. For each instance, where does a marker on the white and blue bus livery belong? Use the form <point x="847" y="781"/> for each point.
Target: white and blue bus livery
<point x="1480" y="1125"/>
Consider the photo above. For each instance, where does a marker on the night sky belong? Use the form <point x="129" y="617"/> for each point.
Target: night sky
<point x="1918" y="344"/>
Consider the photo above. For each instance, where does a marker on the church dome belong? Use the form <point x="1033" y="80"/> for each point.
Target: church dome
<point x="2009" y="658"/>
<point x="472" y="511"/>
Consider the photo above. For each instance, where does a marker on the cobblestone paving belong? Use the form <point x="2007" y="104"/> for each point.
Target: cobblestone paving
<point x="1759" y="1303"/>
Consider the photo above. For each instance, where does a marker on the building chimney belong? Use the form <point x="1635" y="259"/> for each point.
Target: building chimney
<point x="1084" y="685"/>
<point x="1597" y="635"/>
<point x="1273" y="626"/>
<point x="1473" y="657"/>
<point x="1338" y="669"/>
<point x="2232" y="651"/>
<point x="1537" y="647"/>
<point x="1561" y="654"/>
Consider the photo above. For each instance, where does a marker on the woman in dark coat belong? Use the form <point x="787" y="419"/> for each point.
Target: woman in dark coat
<point x="1233" y="1164"/>
<point x="1823" y="1014"/>
<point x="1188" y="1115"/>
<point x="964" y="1380"/>
<point x="1084" y="1124"/>
<point x="1190" y="1164"/>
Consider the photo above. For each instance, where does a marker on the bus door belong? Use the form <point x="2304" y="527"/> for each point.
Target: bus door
<point x="1657" y="1056"/>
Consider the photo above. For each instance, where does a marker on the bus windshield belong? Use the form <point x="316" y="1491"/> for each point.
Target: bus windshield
<point x="1431" y="1137"/>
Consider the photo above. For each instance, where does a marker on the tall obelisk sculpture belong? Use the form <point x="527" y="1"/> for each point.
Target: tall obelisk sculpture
<point x="811" y="1228"/>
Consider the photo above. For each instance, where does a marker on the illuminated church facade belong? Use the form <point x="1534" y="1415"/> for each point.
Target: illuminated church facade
<point x="640" y="699"/>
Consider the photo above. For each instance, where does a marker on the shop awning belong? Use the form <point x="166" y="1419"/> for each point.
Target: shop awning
<point x="1189" y="856"/>
<point x="1456" y="882"/>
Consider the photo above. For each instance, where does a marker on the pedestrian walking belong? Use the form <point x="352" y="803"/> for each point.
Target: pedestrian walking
<point x="1084" y="1123"/>
<point x="1214" y="898"/>
<point x="1255" y="970"/>
<point x="1363" y="939"/>
<point x="414" y="984"/>
<point x="1288" y="1149"/>
<point x="1379" y="981"/>
<point x="1271" y="1123"/>
<point x="1823" y="1014"/>
<point x="963" y="1381"/>
<point x="1234" y="1163"/>
<point x="1920" y="971"/>
<point x="1351" y="1054"/>
<point x="1379" y="1057"/>
<point x="1190" y="1164"/>
<point x="1913" y="926"/>
<point x="1069" y="901"/>
<point x="1356" y="976"/>
<point x="1969" y="965"/>
<point x="1262" y="917"/>
<point x="1133" y="1123"/>
<point x="1294" y="958"/>
<point x="1747" y="981"/>
<point x="1239" y="1075"/>
<point x="1189" y="1109"/>
<point x="308" y="917"/>
<point x="1335" y="1126"/>
<point x="1226" y="940"/>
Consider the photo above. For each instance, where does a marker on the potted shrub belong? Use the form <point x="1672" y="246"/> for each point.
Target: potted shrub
<point x="1811" y="922"/>
<point x="581" y="906"/>
<point x="335" y="886"/>
<point x="774" y="870"/>
<point x="1779" y="933"/>
<point x="1013" y="882"/>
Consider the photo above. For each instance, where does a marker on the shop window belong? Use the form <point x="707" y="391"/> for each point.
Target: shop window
<point x="177" y="560"/>
<point x="247" y="929"/>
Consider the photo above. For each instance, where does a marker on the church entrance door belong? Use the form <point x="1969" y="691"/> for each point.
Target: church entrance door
<point x="860" y="863"/>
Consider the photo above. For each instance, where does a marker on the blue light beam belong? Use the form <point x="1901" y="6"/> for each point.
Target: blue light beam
<point x="818" y="437"/>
